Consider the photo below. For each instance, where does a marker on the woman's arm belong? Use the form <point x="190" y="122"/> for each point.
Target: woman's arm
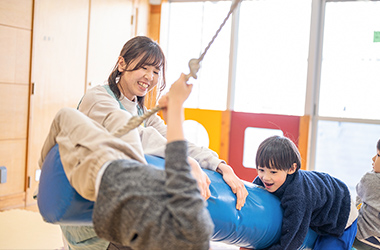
<point x="236" y="185"/>
<point x="99" y="106"/>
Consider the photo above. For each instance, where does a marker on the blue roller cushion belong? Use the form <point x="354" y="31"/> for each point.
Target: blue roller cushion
<point x="57" y="200"/>
<point x="257" y="225"/>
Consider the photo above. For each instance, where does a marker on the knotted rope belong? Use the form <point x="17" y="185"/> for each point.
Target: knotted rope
<point x="194" y="65"/>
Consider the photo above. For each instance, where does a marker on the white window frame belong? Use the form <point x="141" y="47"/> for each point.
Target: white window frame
<point x="313" y="72"/>
<point x="314" y="79"/>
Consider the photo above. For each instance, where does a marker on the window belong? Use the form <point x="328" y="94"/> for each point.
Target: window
<point x="190" y="27"/>
<point x="196" y="133"/>
<point x="252" y="139"/>
<point x="347" y="126"/>
<point x="351" y="61"/>
<point x="272" y="56"/>
<point x="345" y="149"/>
<point x="277" y="43"/>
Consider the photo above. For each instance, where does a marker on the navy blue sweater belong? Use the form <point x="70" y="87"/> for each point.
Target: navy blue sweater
<point x="311" y="199"/>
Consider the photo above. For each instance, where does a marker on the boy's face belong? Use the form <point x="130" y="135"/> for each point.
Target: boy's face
<point x="376" y="162"/>
<point x="274" y="178"/>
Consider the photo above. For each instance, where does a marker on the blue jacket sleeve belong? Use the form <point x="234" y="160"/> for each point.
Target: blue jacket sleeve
<point x="295" y="222"/>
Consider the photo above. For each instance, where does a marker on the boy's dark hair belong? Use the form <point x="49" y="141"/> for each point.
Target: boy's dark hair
<point x="278" y="152"/>
<point x="378" y="145"/>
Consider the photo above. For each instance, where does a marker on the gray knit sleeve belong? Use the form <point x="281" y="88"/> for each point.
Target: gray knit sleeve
<point x="369" y="213"/>
<point x="144" y="207"/>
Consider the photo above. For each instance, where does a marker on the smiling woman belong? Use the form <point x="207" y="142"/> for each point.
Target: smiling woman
<point x="140" y="67"/>
<point x="142" y="79"/>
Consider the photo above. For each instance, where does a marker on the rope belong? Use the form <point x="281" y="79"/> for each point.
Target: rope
<point x="135" y="121"/>
<point x="233" y="7"/>
<point x="194" y="65"/>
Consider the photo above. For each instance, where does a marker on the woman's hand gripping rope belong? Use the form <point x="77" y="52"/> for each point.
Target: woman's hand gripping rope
<point x="135" y="121"/>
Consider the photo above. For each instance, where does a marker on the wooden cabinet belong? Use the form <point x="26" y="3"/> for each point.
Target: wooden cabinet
<point x="110" y="28"/>
<point x="15" y="46"/>
<point x="112" y="24"/>
<point x="59" y="59"/>
<point x="48" y="63"/>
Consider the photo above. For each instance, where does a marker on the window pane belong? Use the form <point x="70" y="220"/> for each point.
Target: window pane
<point x="272" y="56"/>
<point x="196" y="133"/>
<point x="350" y="77"/>
<point x="253" y="137"/>
<point x="191" y="26"/>
<point x="345" y="150"/>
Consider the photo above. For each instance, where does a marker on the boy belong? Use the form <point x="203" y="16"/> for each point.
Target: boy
<point x="310" y="199"/>
<point x="368" y="235"/>
<point x="137" y="205"/>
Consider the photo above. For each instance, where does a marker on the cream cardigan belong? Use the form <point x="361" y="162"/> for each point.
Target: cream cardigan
<point x="98" y="104"/>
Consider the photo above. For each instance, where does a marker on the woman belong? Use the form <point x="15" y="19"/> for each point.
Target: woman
<point x="139" y="68"/>
<point x="138" y="206"/>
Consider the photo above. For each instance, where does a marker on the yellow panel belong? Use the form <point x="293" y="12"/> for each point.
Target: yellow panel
<point x="212" y="121"/>
<point x="225" y="135"/>
<point x="154" y="22"/>
<point x="303" y="141"/>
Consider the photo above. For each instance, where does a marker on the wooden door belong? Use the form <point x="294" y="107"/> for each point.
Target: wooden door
<point x="59" y="54"/>
<point x="110" y="28"/>
<point x="15" y="44"/>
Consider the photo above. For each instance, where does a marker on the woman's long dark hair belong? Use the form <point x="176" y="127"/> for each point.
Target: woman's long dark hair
<point x="148" y="52"/>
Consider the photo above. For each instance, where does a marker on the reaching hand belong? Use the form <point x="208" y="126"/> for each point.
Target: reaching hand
<point x="201" y="177"/>
<point x="180" y="90"/>
<point x="178" y="93"/>
<point x="236" y="185"/>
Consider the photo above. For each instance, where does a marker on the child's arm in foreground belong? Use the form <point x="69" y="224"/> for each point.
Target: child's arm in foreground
<point x="178" y="93"/>
<point x="144" y="207"/>
<point x="172" y="108"/>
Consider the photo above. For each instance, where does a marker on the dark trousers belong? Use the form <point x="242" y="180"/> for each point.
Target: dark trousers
<point x="362" y="246"/>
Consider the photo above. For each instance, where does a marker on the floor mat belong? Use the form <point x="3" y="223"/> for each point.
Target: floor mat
<point x="22" y="229"/>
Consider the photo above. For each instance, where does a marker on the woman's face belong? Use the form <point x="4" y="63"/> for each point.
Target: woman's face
<point x="137" y="82"/>
<point x="376" y="162"/>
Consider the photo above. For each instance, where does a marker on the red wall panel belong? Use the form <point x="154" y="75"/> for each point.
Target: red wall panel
<point x="240" y="121"/>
